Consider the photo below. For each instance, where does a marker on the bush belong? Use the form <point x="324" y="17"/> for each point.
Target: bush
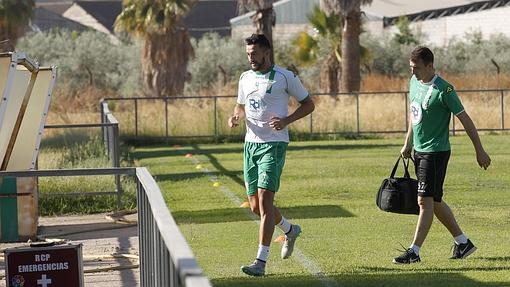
<point x="216" y="60"/>
<point x="475" y="54"/>
<point x="87" y="59"/>
<point x="471" y="54"/>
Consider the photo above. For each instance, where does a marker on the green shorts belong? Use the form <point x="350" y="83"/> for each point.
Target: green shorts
<point x="263" y="165"/>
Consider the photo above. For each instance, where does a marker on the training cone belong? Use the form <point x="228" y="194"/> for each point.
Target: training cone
<point x="199" y="166"/>
<point x="176" y="146"/>
<point x="245" y="204"/>
<point x="280" y="239"/>
<point x="216" y="184"/>
<point x="188" y="155"/>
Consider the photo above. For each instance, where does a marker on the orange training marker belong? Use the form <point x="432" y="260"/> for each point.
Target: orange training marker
<point x="280" y="239"/>
<point x="245" y="204"/>
<point x="188" y="155"/>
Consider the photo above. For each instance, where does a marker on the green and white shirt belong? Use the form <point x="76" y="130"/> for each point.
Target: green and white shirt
<point x="266" y="95"/>
<point x="431" y="107"/>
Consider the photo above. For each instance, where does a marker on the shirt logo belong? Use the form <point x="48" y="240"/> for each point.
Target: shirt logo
<point x="416" y="113"/>
<point x="254" y="104"/>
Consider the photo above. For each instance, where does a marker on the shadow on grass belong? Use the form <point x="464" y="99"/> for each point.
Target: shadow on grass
<point x="196" y="150"/>
<point x="193" y="175"/>
<point x="68" y="138"/>
<point x="432" y="279"/>
<point x="237" y="214"/>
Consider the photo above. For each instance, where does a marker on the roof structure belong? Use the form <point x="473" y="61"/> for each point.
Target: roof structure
<point x="45" y="20"/>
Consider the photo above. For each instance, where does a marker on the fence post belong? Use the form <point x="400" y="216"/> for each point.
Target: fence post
<point x="453" y="125"/>
<point x="215" y="118"/>
<point x="116" y="162"/>
<point x="166" y="119"/>
<point x="357" y="113"/>
<point x="502" y="110"/>
<point x="311" y="125"/>
<point x="136" y="117"/>
<point x="102" y="119"/>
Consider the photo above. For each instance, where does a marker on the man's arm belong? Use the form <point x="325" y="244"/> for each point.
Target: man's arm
<point x="408" y="144"/>
<point x="239" y="114"/>
<point x="481" y="156"/>
<point x="305" y="108"/>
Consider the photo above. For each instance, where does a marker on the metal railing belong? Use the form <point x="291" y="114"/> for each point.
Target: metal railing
<point x="166" y="258"/>
<point x="358" y="106"/>
<point x="175" y="264"/>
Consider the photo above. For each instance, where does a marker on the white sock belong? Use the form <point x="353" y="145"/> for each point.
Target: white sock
<point x="461" y="239"/>
<point x="284" y="225"/>
<point x="263" y="253"/>
<point x="415" y="248"/>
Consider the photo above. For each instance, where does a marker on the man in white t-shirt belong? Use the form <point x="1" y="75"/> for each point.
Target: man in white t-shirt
<point x="263" y="99"/>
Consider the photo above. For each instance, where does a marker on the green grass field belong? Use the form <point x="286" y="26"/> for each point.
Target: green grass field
<point x="329" y="188"/>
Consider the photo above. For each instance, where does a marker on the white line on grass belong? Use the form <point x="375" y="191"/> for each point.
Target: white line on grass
<point x="306" y="262"/>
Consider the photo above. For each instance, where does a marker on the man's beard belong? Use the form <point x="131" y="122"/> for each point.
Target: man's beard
<point x="257" y="66"/>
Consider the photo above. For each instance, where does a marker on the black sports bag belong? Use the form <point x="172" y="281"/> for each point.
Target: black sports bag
<point x="399" y="194"/>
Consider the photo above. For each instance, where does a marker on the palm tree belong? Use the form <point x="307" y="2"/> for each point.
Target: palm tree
<point x="15" y="16"/>
<point x="167" y="47"/>
<point x="263" y="19"/>
<point x="351" y="15"/>
<point x="307" y="48"/>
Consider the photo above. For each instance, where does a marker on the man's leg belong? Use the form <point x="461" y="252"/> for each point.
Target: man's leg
<point x="267" y="216"/>
<point x="446" y="217"/>
<point x="463" y="247"/>
<point x="424" y="220"/>
<point x="262" y="204"/>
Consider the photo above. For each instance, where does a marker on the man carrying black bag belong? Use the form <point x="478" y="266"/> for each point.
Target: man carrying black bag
<point x="432" y="100"/>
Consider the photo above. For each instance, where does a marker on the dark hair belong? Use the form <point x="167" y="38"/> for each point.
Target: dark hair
<point x="423" y="53"/>
<point x="258" y="39"/>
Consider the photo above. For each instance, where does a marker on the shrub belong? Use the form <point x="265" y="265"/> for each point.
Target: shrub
<point x="87" y="59"/>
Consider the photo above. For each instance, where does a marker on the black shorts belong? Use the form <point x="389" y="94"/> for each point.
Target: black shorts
<point x="431" y="171"/>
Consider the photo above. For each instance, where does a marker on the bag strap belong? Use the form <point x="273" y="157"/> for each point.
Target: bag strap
<point x="392" y="175"/>
<point x="406" y="167"/>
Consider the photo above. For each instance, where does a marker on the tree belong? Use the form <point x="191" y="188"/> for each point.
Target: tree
<point x="307" y="48"/>
<point x="167" y="47"/>
<point x="351" y="29"/>
<point x="404" y="36"/>
<point x="15" y="16"/>
<point x="263" y="19"/>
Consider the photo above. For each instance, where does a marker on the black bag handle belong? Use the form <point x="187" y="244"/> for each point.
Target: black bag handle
<point x="406" y="167"/>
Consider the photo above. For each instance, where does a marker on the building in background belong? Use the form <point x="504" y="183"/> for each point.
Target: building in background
<point x="205" y="16"/>
<point x="439" y="20"/>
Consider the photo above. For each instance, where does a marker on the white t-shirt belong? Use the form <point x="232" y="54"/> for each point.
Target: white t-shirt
<point x="265" y="96"/>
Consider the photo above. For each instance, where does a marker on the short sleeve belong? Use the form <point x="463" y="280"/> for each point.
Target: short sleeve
<point x="241" y="98"/>
<point x="296" y="89"/>
<point x="452" y="100"/>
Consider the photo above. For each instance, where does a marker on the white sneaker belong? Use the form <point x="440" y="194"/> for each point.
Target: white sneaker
<point x="257" y="268"/>
<point x="290" y="239"/>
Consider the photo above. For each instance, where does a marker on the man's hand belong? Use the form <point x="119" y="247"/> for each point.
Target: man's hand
<point x="483" y="159"/>
<point x="406" y="151"/>
<point x="233" y="121"/>
<point x="278" y="123"/>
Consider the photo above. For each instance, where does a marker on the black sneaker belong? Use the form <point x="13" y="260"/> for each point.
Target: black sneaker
<point x="407" y="257"/>
<point x="461" y="251"/>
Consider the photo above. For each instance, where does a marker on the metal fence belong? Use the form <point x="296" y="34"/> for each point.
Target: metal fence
<point x="166" y="258"/>
<point x="345" y="113"/>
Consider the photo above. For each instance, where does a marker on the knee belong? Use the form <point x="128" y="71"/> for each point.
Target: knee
<point x="426" y="202"/>
<point x="255" y="209"/>
<point x="265" y="201"/>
